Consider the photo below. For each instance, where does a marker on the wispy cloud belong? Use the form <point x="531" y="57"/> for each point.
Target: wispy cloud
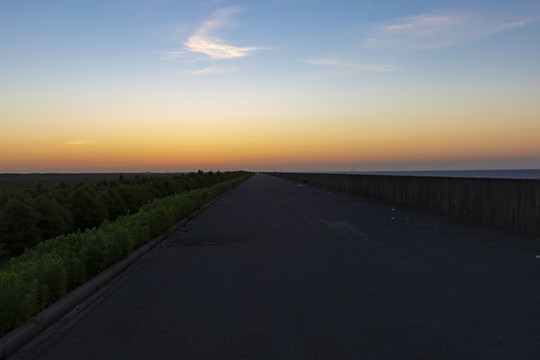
<point x="216" y="48"/>
<point x="78" y="142"/>
<point x="172" y="54"/>
<point x="439" y="29"/>
<point x="202" y="41"/>
<point x="343" y="65"/>
<point x="209" y="70"/>
<point x="519" y="23"/>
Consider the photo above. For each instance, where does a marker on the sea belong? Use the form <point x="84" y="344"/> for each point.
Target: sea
<point x="498" y="174"/>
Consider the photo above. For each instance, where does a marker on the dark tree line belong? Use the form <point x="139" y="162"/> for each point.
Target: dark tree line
<point x="28" y="217"/>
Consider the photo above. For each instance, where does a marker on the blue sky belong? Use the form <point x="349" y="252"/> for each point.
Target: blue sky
<point x="317" y="85"/>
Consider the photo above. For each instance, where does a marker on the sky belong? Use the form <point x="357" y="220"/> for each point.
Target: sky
<point x="269" y="85"/>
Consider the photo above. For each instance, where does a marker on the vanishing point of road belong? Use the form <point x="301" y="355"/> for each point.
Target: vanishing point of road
<point x="281" y="270"/>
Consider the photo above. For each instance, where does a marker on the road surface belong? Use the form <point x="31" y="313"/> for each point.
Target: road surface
<point x="281" y="270"/>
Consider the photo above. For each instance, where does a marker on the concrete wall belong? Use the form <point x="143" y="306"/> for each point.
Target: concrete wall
<point x="507" y="204"/>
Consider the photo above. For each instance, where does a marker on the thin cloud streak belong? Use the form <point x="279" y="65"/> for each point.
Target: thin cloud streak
<point x="78" y="142"/>
<point x="419" y="23"/>
<point x="218" y="19"/>
<point x="216" y="48"/>
<point x="203" y="42"/>
<point x="520" y="23"/>
<point x="438" y="29"/>
<point x="173" y="54"/>
<point x="338" y="64"/>
<point x="209" y="70"/>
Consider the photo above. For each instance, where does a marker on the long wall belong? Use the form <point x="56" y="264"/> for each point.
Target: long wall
<point x="507" y="204"/>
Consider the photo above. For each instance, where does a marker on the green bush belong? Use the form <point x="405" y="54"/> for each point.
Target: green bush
<point x="42" y="275"/>
<point x="18" y="300"/>
<point x="32" y="215"/>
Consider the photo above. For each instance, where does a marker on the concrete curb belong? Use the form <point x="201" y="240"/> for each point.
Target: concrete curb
<point x="16" y="339"/>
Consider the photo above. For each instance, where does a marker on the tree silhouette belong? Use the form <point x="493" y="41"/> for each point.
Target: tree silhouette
<point x="18" y="226"/>
<point x="86" y="208"/>
<point x="53" y="219"/>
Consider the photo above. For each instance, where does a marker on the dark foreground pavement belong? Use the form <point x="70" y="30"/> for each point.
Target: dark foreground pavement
<point x="276" y="270"/>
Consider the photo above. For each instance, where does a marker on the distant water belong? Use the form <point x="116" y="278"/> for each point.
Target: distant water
<point x="499" y="174"/>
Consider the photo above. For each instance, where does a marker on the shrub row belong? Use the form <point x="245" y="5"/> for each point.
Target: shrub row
<point x="33" y="215"/>
<point x="42" y="275"/>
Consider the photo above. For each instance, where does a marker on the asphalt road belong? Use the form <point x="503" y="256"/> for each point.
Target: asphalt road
<point x="280" y="270"/>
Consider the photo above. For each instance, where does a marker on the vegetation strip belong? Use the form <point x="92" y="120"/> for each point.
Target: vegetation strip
<point x="44" y="274"/>
<point x="45" y="206"/>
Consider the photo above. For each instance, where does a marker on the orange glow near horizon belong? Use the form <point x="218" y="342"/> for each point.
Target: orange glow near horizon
<point x="260" y="147"/>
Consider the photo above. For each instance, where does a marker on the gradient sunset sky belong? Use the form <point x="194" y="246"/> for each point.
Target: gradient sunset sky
<point x="163" y="85"/>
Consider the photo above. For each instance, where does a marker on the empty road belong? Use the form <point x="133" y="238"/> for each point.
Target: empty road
<point x="281" y="270"/>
